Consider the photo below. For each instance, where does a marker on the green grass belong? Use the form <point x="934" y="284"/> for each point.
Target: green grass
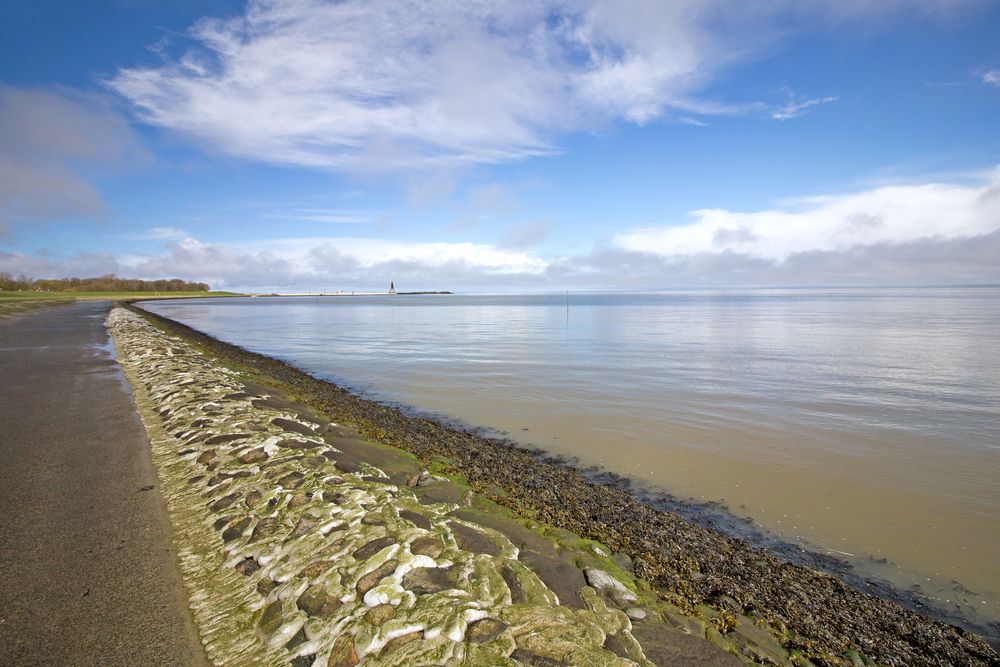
<point x="15" y="303"/>
<point x="31" y="296"/>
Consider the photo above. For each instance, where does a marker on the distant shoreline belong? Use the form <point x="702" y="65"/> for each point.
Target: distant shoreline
<point x="325" y="294"/>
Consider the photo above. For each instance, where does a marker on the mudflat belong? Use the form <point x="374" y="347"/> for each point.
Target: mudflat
<point x="88" y="570"/>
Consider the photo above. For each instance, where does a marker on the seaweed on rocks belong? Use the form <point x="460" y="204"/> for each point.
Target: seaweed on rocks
<point x="816" y="616"/>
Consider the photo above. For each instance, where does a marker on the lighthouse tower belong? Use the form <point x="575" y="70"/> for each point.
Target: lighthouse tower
<point x="392" y="287"/>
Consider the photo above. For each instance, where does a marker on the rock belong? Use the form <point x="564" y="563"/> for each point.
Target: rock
<point x="196" y="438"/>
<point x="206" y="456"/>
<point x="317" y="568"/>
<point x="294" y="443"/>
<point x="343" y="653"/>
<point x="425" y="479"/>
<point x="372" y="548"/>
<point x="370" y="580"/>
<point x="254" y="456"/>
<point x="667" y="646"/>
<point x="470" y="539"/>
<point x="270" y="618"/>
<point x="614" y="644"/>
<point x="315" y="601"/>
<point x="253" y="498"/>
<point x="292" y="480"/>
<point x="424" y="580"/>
<point x="236" y="529"/>
<point x="429" y="545"/>
<point x="517" y="595"/>
<point x="265" y="586"/>
<point x="222" y="522"/>
<point x="608" y="586"/>
<point x="417" y="519"/>
<point x="485" y="630"/>
<point x="347" y="466"/>
<point x="377" y="479"/>
<point x="637" y="614"/>
<point x="298" y="638"/>
<point x="293" y="426"/>
<point x="264" y="528"/>
<point x="380" y="614"/>
<point x="300" y="499"/>
<point x="247" y="566"/>
<point x="223" y="503"/>
<point x="305" y="524"/>
<point x="395" y="644"/>
<point x="226" y="437"/>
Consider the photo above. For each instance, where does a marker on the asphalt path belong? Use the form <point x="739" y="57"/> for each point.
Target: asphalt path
<point x="88" y="575"/>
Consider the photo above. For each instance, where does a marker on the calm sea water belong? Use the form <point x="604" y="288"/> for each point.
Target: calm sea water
<point x="865" y="423"/>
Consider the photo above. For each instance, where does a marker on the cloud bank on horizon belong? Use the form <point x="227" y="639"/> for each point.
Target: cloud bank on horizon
<point x="937" y="233"/>
<point x="373" y="94"/>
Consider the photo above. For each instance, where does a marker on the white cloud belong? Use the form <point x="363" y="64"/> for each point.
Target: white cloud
<point x="992" y="77"/>
<point x="331" y="263"/>
<point x="161" y="234"/>
<point x="374" y="84"/>
<point x="369" y="252"/>
<point x="924" y="233"/>
<point x="884" y="215"/>
<point x="797" y="106"/>
<point x="327" y="215"/>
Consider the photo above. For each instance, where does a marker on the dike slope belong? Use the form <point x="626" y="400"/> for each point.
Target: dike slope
<point x="301" y="543"/>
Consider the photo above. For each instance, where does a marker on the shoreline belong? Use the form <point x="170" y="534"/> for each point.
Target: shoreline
<point x="695" y="566"/>
<point x="303" y="543"/>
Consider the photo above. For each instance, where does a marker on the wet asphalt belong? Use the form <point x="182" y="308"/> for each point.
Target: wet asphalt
<point x="88" y="575"/>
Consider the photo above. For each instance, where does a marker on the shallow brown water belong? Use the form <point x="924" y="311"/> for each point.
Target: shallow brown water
<point x="864" y="423"/>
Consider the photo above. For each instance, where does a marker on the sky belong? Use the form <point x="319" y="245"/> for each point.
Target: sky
<point x="306" y="145"/>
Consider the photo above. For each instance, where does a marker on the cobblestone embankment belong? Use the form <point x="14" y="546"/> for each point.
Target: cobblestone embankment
<point x="301" y="543"/>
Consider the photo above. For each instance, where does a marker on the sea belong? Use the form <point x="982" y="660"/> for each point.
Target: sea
<point x="862" y="424"/>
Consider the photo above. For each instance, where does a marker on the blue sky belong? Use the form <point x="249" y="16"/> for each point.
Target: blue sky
<point x="301" y="145"/>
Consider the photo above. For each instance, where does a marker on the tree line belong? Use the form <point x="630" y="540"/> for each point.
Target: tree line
<point x="108" y="283"/>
